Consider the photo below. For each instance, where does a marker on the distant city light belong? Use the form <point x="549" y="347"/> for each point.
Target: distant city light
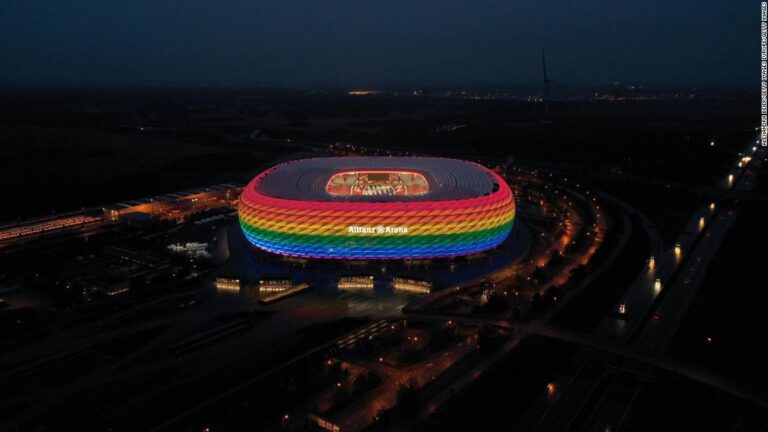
<point x="363" y="92"/>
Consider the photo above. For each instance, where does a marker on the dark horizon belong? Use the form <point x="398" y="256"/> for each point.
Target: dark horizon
<point x="301" y="44"/>
<point x="748" y="90"/>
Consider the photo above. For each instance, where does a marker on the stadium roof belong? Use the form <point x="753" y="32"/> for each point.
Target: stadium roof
<point x="306" y="179"/>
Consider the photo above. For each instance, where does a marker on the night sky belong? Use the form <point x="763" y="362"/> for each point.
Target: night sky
<point x="395" y="42"/>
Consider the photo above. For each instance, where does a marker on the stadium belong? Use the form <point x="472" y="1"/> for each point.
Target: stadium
<point x="376" y="208"/>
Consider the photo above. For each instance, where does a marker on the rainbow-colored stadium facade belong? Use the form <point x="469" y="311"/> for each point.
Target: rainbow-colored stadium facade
<point x="377" y="208"/>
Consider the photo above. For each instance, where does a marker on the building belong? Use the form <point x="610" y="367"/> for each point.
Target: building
<point x="173" y="206"/>
<point x="355" y="283"/>
<point x="377" y="208"/>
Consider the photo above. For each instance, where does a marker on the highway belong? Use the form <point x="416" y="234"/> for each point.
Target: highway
<point x="476" y="371"/>
<point x="668" y="315"/>
<point x="600" y="395"/>
<point x="642" y="294"/>
<point x="756" y="396"/>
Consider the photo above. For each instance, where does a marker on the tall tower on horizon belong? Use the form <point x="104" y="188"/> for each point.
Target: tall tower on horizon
<point x="547" y="81"/>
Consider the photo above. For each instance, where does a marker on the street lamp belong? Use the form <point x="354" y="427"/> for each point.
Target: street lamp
<point x="551" y="389"/>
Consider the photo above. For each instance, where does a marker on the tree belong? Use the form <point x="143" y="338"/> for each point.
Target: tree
<point x="365" y="381"/>
<point x="441" y="338"/>
<point x="408" y="395"/>
<point x="488" y="338"/>
<point x="341" y="397"/>
<point x="411" y="355"/>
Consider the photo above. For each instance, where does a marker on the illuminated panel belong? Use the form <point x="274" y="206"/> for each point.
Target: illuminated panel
<point x="355" y="283"/>
<point x="46" y="226"/>
<point x="267" y="286"/>
<point x="411" y="228"/>
<point x="377" y="183"/>
<point x="412" y="285"/>
<point x="228" y="285"/>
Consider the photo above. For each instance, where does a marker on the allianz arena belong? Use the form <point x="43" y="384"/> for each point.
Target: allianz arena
<point x="377" y="208"/>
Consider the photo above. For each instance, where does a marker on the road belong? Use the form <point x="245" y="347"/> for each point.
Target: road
<point x="465" y="380"/>
<point x="642" y="294"/>
<point x="600" y="395"/>
<point x="758" y="397"/>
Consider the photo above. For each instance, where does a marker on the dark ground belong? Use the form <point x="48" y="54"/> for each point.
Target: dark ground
<point x="730" y="306"/>
<point x="67" y="148"/>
